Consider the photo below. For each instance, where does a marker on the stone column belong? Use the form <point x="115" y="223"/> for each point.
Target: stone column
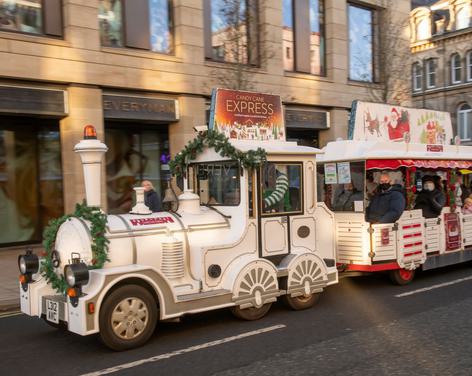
<point x="85" y="107"/>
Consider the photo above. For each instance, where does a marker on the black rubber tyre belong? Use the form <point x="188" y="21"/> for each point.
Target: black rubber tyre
<point x="300" y="302"/>
<point x="128" y="318"/>
<point x="401" y="277"/>
<point x="251" y="314"/>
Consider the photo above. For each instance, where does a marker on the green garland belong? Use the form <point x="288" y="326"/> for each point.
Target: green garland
<point x="98" y="222"/>
<point x="213" y="139"/>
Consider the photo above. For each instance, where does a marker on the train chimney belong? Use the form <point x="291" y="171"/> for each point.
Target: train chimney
<point x="91" y="153"/>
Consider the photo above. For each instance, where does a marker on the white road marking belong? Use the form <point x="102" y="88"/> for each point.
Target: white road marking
<point x="433" y="287"/>
<point x="183" y="351"/>
<point x="9" y="314"/>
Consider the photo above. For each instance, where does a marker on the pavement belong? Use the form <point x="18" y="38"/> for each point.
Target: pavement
<point x="9" y="289"/>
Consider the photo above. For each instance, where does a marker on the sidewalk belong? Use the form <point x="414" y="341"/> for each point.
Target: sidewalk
<point x="9" y="287"/>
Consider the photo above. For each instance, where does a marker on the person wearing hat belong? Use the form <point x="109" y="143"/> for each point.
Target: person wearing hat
<point x="431" y="199"/>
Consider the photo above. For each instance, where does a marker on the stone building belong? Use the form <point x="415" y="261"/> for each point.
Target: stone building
<point x="441" y="45"/>
<point x="141" y="71"/>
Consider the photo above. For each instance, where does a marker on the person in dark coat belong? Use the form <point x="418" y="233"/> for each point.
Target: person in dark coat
<point x="431" y="199"/>
<point x="151" y="198"/>
<point x="388" y="204"/>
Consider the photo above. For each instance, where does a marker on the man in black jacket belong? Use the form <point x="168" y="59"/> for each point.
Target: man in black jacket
<point x="151" y="198"/>
<point x="431" y="199"/>
<point x="388" y="203"/>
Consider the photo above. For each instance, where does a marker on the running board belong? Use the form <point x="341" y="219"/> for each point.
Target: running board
<point x="438" y="261"/>
<point x="202" y="295"/>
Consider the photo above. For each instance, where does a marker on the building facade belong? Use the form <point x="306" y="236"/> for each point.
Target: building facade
<point x="441" y="45"/>
<point x="141" y="71"/>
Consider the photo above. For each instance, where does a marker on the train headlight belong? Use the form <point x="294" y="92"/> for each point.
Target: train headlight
<point x="76" y="274"/>
<point x="28" y="263"/>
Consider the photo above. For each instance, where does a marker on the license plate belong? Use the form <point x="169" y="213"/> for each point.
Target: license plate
<point x="52" y="311"/>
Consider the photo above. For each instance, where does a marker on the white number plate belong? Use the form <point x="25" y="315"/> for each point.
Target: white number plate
<point x="52" y="311"/>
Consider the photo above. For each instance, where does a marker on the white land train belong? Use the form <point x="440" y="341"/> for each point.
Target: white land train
<point x="413" y="241"/>
<point x="167" y="264"/>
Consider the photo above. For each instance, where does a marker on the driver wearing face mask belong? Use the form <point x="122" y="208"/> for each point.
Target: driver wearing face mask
<point x="388" y="203"/>
<point x="430" y="200"/>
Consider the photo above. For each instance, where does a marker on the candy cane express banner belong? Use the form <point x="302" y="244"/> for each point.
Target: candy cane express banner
<point x="244" y="115"/>
<point x="375" y="121"/>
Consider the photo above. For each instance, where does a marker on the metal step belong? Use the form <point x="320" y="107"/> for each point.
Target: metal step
<point x="202" y="295"/>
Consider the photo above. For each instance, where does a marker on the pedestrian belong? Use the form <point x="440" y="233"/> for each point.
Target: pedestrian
<point x="431" y="199"/>
<point x="388" y="204"/>
<point x="151" y="198"/>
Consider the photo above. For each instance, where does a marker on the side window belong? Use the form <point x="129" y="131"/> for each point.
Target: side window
<point x="218" y="183"/>
<point x="281" y="188"/>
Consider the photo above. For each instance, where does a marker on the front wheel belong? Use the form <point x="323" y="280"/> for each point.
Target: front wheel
<point x="251" y="314"/>
<point x="301" y="302"/>
<point x="128" y="318"/>
<point x="402" y="276"/>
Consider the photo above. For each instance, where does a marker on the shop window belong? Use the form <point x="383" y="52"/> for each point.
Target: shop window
<point x="303" y="32"/>
<point x="456" y="69"/>
<point x="281" y="188"/>
<point x="231" y="31"/>
<point x="32" y="16"/>
<point x="430" y="73"/>
<point x="142" y="24"/>
<point x="134" y="154"/>
<point x="218" y="183"/>
<point x="469" y="66"/>
<point x="361" y="43"/>
<point x="341" y="186"/>
<point x="417" y="77"/>
<point x="464" y="122"/>
<point x="30" y="178"/>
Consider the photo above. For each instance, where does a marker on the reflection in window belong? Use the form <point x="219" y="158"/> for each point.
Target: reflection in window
<point x="463" y="18"/>
<point x="160" y="19"/>
<point x="360" y="44"/>
<point x="281" y="191"/>
<point x="464" y="121"/>
<point x="456" y="69"/>
<point x="288" y="35"/>
<point x="430" y="73"/>
<point x="316" y="37"/>
<point x="30" y="180"/>
<point x="111" y="23"/>
<point x="417" y="77"/>
<point x="218" y="183"/>
<point x="133" y="155"/>
<point x="24" y="16"/>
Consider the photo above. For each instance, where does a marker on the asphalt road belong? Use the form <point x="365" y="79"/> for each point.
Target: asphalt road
<point x="360" y="327"/>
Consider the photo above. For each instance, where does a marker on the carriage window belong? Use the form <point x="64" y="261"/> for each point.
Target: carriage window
<point x="341" y="185"/>
<point x="281" y="188"/>
<point x="218" y="183"/>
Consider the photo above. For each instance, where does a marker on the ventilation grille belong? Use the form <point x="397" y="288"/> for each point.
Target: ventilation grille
<point x="173" y="259"/>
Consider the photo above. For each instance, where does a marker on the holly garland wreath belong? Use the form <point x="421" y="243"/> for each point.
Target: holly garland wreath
<point x="98" y="221"/>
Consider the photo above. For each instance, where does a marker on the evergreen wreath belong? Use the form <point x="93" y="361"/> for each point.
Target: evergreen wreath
<point x="213" y="139"/>
<point x="98" y="222"/>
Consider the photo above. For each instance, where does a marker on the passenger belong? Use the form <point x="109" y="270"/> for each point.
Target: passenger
<point x="371" y="186"/>
<point x="467" y="209"/>
<point x="388" y="204"/>
<point x="151" y="198"/>
<point x="345" y="199"/>
<point x="465" y="192"/>
<point x="430" y="200"/>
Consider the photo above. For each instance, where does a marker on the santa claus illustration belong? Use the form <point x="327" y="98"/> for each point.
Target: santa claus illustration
<point x="398" y="124"/>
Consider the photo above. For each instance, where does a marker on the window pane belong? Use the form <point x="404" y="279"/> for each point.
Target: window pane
<point x="281" y="190"/>
<point x="161" y="34"/>
<point x="422" y="31"/>
<point x="25" y="16"/>
<point x="360" y="44"/>
<point x="111" y="23"/>
<point x="316" y="37"/>
<point x="218" y="183"/>
<point x="288" y="39"/>
<point x="463" y="18"/>
<point x="456" y="68"/>
<point x="229" y="31"/>
<point x="469" y="66"/>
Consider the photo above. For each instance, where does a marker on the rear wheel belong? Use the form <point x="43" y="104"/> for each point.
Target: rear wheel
<point x="402" y="276"/>
<point x="128" y="318"/>
<point x="251" y="314"/>
<point x="301" y="302"/>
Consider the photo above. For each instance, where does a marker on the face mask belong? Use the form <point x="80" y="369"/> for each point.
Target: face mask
<point x="429" y="187"/>
<point x="384" y="186"/>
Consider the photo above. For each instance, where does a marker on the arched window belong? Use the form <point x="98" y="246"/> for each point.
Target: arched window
<point x="469" y="66"/>
<point x="456" y="69"/>
<point x="463" y="18"/>
<point x="423" y="29"/>
<point x="464" y="122"/>
<point x="417" y="77"/>
<point x="430" y="73"/>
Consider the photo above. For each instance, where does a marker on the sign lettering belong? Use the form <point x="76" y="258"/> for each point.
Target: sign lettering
<point x="151" y="221"/>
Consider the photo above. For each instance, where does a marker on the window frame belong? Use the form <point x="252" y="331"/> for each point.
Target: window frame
<point x="417" y="66"/>
<point x="464" y="127"/>
<point x="430" y="63"/>
<point x="455" y="68"/>
<point x="469" y="65"/>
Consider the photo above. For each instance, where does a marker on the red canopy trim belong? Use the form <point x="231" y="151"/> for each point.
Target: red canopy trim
<point x="393" y="164"/>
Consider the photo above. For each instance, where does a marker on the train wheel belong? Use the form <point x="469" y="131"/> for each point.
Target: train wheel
<point x="402" y="276"/>
<point x="251" y="314"/>
<point x="128" y="318"/>
<point x="301" y="302"/>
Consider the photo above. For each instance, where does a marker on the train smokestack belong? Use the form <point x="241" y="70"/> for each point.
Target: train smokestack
<point x="91" y="151"/>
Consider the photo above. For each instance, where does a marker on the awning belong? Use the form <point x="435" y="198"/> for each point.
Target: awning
<point x="393" y="164"/>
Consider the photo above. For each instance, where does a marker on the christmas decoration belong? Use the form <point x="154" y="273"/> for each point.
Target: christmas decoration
<point x="213" y="139"/>
<point x="99" y="244"/>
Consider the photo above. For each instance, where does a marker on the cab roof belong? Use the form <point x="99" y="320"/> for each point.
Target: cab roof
<point x="274" y="147"/>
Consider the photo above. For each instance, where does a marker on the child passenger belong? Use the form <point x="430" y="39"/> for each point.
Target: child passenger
<point x="467" y="209"/>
